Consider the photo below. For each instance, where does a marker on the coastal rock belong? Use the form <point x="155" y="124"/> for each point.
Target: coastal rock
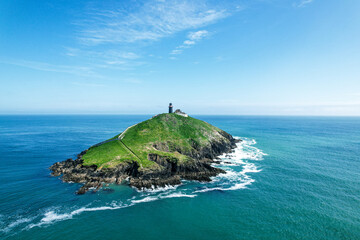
<point x="190" y="148"/>
<point x="170" y="172"/>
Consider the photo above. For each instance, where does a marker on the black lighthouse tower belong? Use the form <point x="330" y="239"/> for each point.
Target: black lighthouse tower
<point x="170" y="108"/>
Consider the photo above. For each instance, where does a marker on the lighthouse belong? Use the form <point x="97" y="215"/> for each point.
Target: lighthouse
<point x="170" y="108"/>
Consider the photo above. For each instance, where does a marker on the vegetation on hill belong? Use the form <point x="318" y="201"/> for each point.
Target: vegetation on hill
<point x="170" y="135"/>
<point x="158" y="152"/>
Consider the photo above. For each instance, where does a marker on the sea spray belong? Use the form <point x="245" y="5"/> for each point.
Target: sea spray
<point x="237" y="165"/>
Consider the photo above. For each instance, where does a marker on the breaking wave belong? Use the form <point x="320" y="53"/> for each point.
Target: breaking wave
<point x="237" y="164"/>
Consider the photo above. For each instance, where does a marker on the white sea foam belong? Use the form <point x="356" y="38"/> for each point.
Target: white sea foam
<point x="234" y="179"/>
<point x="236" y="186"/>
<point x="16" y="223"/>
<point x="162" y="196"/>
<point x="154" y="189"/>
<point x="51" y="216"/>
<point x="244" y="150"/>
<point x="241" y="185"/>
<point x="250" y="168"/>
<point x="176" y="195"/>
<point x="146" y="199"/>
<point x="209" y="189"/>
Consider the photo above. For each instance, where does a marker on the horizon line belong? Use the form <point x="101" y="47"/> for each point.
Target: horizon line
<point x="151" y="114"/>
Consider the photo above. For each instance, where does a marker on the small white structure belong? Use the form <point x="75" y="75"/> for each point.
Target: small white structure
<point x="179" y="112"/>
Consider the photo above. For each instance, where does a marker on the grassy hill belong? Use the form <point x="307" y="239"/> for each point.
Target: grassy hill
<point x="170" y="135"/>
<point x="158" y="152"/>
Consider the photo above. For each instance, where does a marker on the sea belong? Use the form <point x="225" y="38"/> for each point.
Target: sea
<point x="289" y="178"/>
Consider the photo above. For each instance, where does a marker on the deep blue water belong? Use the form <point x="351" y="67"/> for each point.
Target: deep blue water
<point x="291" y="178"/>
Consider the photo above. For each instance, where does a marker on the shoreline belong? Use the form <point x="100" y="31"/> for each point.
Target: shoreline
<point x="130" y="172"/>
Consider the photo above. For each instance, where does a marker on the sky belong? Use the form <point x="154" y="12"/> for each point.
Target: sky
<point x="250" y="57"/>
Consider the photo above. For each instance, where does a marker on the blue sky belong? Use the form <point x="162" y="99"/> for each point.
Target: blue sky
<point x="256" y="57"/>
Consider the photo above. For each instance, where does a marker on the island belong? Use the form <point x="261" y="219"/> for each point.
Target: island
<point x="158" y="152"/>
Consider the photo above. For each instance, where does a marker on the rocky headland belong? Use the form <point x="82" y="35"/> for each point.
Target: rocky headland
<point x="155" y="153"/>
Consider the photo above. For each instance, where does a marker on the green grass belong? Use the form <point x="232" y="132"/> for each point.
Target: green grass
<point x="176" y="131"/>
<point x="107" y="155"/>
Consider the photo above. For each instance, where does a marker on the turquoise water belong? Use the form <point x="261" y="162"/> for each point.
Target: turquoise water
<point x="291" y="178"/>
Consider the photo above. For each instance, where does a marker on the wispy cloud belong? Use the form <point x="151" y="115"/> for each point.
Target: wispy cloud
<point x="133" y="80"/>
<point x="111" y="58"/>
<point x="189" y="42"/>
<point x="193" y="38"/>
<point x="74" y="70"/>
<point x="116" y="58"/>
<point x="151" y="21"/>
<point x="112" y="34"/>
<point x="196" y="36"/>
<point x="109" y="54"/>
<point x="176" y="51"/>
<point x="303" y="3"/>
<point x="87" y="84"/>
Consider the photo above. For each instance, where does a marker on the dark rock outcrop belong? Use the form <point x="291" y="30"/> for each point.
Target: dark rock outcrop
<point x="167" y="170"/>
